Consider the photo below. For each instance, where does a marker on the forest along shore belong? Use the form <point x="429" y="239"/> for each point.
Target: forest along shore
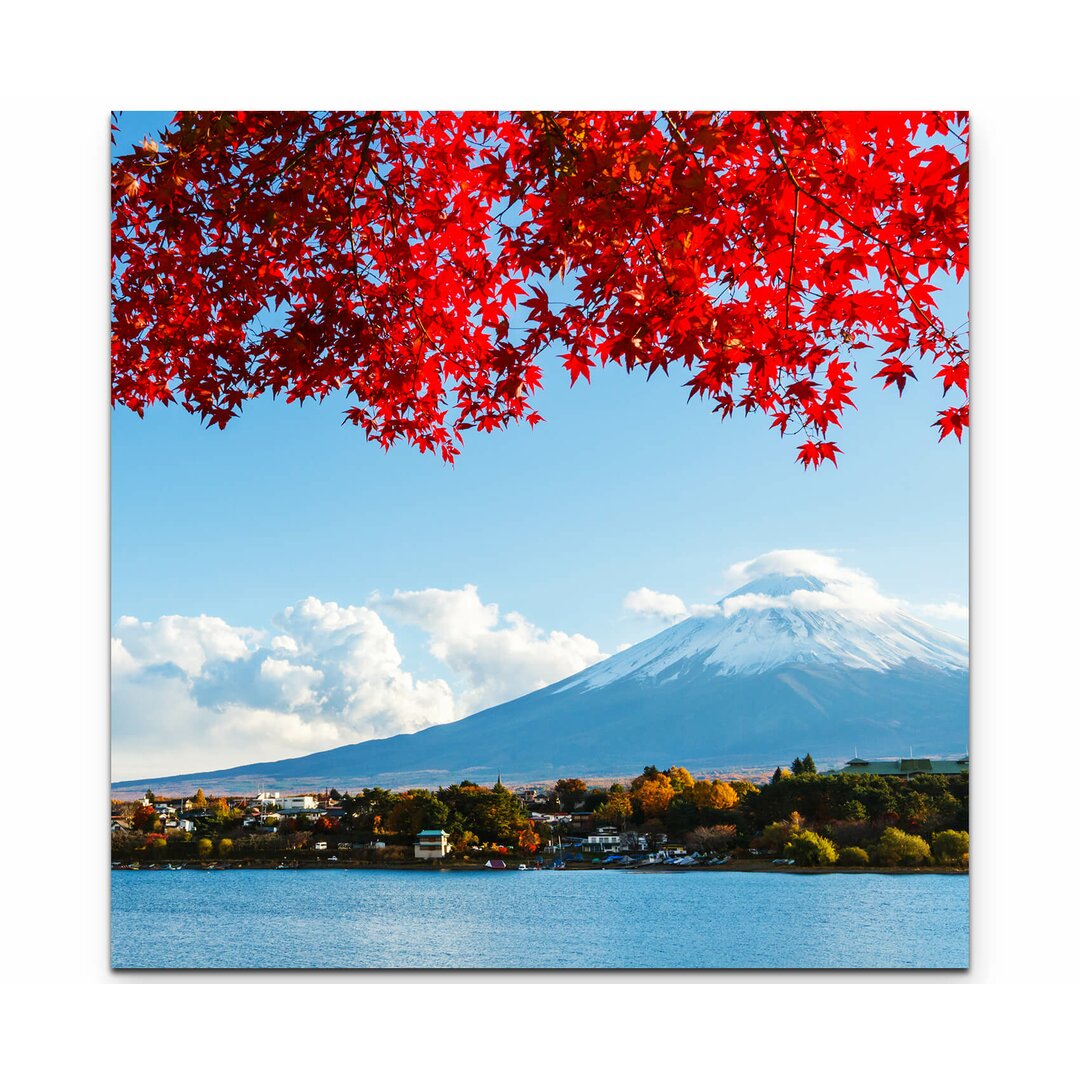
<point x="853" y="819"/>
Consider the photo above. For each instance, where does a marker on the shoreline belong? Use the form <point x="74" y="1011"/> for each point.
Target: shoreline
<point x="742" y="866"/>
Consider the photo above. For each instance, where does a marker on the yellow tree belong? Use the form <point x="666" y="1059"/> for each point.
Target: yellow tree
<point x="653" y="797"/>
<point x="616" y="809"/>
<point x="681" y="780"/>
<point x="714" y="795"/>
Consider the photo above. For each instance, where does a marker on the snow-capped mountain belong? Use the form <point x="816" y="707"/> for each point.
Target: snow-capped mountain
<point x="785" y="665"/>
<point x="781" y="619"/>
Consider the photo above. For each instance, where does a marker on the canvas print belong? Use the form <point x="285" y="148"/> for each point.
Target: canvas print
<point x="539" y="540"/>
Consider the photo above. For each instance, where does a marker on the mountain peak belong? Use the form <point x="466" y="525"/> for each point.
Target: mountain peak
<point x="778" y="620"/>
<point x="779" y="584"/>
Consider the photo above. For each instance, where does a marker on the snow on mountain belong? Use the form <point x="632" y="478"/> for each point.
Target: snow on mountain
<point x="782" y="619"/>
<point x="789" y="663"/>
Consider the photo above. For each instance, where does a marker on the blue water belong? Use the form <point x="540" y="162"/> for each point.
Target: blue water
<point x="607" y="919"/>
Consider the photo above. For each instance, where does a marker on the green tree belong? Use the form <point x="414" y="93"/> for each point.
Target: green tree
<point x="949" y="847"/>
<point x="776" y="835"/>
<point x="810" y="849"/>
<point x="415" y="810"/>
<point x="898" y="848"/>
<point x="853" y="856"/>
<point x="617" y="809"/>
<point x="568" y="792"/>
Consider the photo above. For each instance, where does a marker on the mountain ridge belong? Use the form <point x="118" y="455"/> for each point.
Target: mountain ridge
<point x="785" y="665"/>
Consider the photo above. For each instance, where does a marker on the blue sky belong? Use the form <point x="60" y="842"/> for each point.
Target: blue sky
<point x="625" y="486"/>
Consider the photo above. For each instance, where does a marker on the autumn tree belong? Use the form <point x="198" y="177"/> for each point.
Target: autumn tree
<point x="145" y="819"/>
<point x="680" y="778"/>
<point x="527" y="838"/>
<point x="714" y="795"/>
<point x="616" y="809"/>
<point x="809" y="848"/>
<point x="199" y="801"/>
<point x="461" y="838"/>
<point x="853" y="856"/>
<point x="428" y="265"/>
<point x="653" y="797"/>
<point x="898" y="848"/>
<point x="776" y="835"/>
<point x="949" y="847"/>
<point x="711" y="838"/>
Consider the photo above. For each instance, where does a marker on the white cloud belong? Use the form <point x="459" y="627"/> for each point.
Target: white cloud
<point x="295" y="683"/>
<point x="655" y="605"/>
<point x="666" y="607"/>
<point x="192" y="693"/>
<point x="842" y="588"/>
<point x="791" y="561"/>
<point x="498" y="657"/>
<point x="187" y="642"/>
<point x="950" y="610"/>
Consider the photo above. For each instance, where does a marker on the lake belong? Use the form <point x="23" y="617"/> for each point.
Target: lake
<point x="576" y="919"/>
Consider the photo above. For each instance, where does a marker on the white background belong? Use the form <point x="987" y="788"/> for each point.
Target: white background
<point x="65" y="68"/>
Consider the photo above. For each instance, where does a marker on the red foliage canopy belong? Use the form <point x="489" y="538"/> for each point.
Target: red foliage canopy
<point x="408" y="258"/>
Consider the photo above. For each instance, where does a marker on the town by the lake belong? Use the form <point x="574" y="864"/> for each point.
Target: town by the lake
<point x="904" y="814"/>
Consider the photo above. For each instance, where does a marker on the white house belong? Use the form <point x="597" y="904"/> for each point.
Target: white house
<point x="299" y="804"/>
<point x="603" y="842"/>
<point x="431" y="844"/>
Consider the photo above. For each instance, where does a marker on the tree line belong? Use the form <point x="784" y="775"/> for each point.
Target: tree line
<point x="813" y="818"/>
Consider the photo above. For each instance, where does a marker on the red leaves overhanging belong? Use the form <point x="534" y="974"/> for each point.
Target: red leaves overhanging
<point x="410" y="260"/>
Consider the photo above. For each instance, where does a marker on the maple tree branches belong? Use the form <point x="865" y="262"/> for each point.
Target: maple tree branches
<point x="383" y="253"/>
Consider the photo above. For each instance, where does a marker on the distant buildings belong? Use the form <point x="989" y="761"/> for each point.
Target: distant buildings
<point x="432" y="844"/>
<point x="602" y="842"/>
<point x="299" y="804"/>
<point x="904" y="767"/>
